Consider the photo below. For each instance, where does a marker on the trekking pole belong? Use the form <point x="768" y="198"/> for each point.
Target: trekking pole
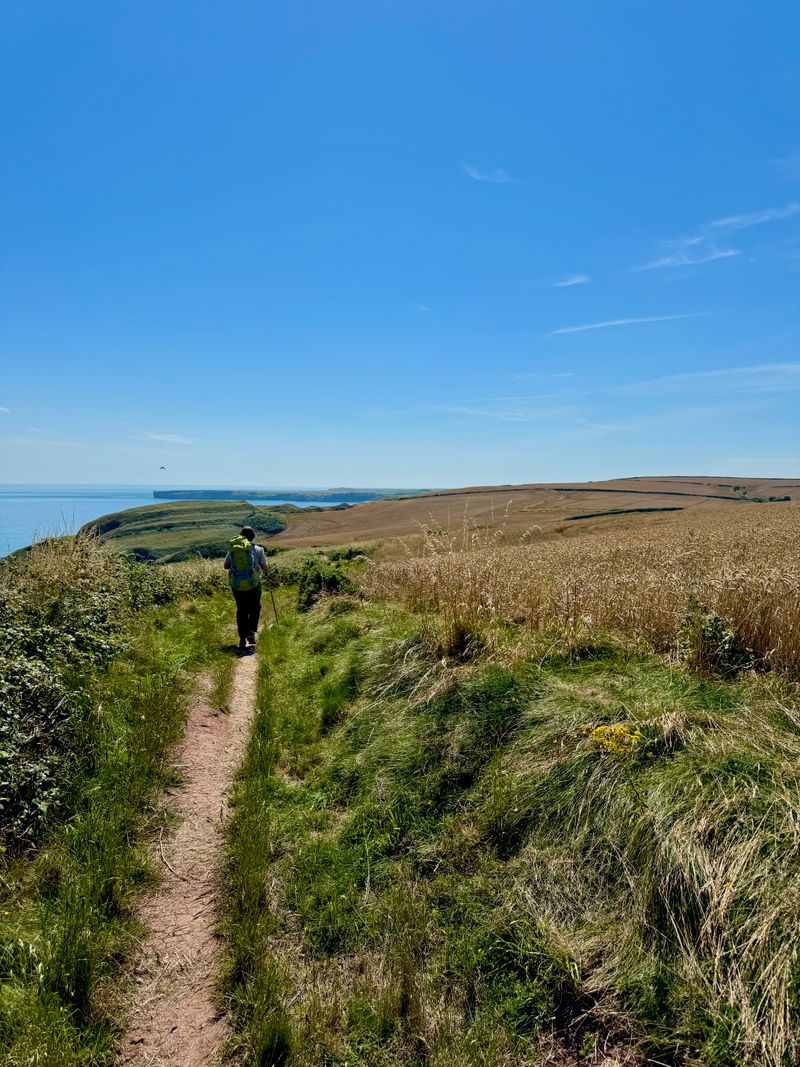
<point x="272" y="598"/>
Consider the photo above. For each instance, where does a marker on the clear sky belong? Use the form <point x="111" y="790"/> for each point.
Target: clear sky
<point x="416" y="243"/>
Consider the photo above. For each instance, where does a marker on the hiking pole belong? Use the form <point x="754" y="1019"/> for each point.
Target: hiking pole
<point x="272" y="598"/>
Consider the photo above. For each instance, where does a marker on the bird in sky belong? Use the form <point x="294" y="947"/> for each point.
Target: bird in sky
<point x="162" y="468"/>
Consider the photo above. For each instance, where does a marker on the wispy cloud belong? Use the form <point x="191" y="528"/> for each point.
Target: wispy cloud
<point x="538" y="376"/>
<point x="608" y="427"/>
<point x="620" y="322"/>
<point x="757" y="218"/>
<point x="764" y="378"/>
<point x="494" y="177"/>
<point x="572" y="279"/>
<point x="4" y="410"/>
<point x="508" y="409"/>
<point x="164" y="438"/>
<point x="704" y="243"/>
<point x="676" y="402"/>
<point x="686" y="259"/>
<point x="40" y="442"/>
<point x="422" y="307"/>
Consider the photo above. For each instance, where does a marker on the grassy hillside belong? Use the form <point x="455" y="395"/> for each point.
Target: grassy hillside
<point x="530" y="805"/>
<point x="321" y="496"/>
<point x="179" y="530"/>
<point x="557" y="850"/>
<point x="171" y="531"/>
<point x="504" y="805"/>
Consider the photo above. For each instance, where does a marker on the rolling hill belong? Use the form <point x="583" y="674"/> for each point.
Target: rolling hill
<point x="518" y="508"/>
<point x="178" y="530"/>
<point x="170" y="531"/>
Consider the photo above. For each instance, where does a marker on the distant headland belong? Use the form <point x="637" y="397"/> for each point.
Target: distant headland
<point x="350" y="496"/>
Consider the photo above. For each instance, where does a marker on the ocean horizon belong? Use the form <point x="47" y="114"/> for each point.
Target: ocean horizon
<point x="31" y="511"/>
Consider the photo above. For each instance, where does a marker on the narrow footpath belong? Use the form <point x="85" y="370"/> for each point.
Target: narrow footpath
<point x="175" y="1021"/>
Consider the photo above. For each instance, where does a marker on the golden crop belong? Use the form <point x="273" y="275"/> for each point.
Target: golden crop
<point x="635" y="577"/>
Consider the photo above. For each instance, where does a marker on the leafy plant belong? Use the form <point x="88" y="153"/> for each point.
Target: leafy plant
<point x="319" y="577"/>
<point x="709" y="645"/>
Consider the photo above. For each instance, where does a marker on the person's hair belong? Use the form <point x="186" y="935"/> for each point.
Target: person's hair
<point x="249" y="533"/>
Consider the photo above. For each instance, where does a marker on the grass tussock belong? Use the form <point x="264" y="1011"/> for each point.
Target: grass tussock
<point x="559" y="860"/>
<point x="725" y="595"/>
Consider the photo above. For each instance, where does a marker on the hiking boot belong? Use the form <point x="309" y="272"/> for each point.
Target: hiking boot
<point x="242" y="644"/>
<point x="251" y="639"/>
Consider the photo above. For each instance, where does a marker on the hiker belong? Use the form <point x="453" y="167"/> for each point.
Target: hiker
<point x="246" y="563"/>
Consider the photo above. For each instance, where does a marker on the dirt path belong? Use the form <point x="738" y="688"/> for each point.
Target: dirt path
<point x="175" y="1021"/>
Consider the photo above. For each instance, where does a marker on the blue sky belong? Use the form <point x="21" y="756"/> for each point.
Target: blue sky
<point x="399" y="243"/>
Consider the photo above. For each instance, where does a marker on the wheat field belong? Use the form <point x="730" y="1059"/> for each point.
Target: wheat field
<point x="642" y="578"/>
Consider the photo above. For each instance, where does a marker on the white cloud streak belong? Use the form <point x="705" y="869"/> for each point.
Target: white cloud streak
<point x="760" y="379"/>
<point x="572" y="279"/>
<point x="4" y="410"/>
<point x="620" y="322"/>
<point x="39" y="442"/>
<point x="508" y="409"/>
<point x="685" y="259"/>
<point x="494" y="177"/>
<point x="164" y="438"/>
<point x="705" y="244"/>
<point x="693" y="396"/>
<point x="757" y="218"/>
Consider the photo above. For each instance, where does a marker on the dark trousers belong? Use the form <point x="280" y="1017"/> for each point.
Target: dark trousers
<point x="248" y="609"/>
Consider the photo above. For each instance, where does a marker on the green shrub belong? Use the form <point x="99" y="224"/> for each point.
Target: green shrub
<point x="709" y="645"/>
<point x="319" y="577"/>
<point x="66" y="610"/>
<point x="348" y="553"/>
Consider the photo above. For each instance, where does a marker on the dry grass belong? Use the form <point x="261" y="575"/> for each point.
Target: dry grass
<point x="547" y="505"/>
<point x="55" y="566"/>
<point x="640" y="579"/>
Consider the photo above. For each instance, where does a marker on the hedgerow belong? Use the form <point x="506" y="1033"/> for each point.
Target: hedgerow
<point x="66" y="609"/>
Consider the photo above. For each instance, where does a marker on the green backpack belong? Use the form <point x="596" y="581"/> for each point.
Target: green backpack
<point x="244" y="572"/>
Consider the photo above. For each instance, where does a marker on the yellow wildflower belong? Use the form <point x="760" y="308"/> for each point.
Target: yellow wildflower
<point x="617" y="738"/>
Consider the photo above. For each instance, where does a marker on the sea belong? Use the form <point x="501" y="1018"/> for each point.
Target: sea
<point x="30" y="512"/>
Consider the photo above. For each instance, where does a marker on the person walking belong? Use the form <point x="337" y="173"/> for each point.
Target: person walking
<point x="246" y="562"/>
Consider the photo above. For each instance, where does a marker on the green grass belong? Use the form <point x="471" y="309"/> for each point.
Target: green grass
<point x="179" y="530"/>
<point x="65" y="910"/>
<point x="443" y="862"/>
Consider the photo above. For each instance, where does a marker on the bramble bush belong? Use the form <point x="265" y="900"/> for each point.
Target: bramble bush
<point x="318" y="577"/>
<point x="66" y="608"/>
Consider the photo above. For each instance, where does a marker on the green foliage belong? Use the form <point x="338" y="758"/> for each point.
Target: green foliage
<point x="181" y="530"/>
<point x="319" y="577"/>
<point x="95" y="731"/>
<point x="40" y="728"/>
<point x="348" y="552"/>
<point x="66" y="609"/>
<point x="709" y="645"/>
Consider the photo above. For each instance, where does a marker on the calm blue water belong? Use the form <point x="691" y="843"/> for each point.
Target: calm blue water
<point x="28" y="512"/>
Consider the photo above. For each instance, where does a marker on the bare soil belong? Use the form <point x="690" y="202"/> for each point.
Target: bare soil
<point x="175" y="1019"/>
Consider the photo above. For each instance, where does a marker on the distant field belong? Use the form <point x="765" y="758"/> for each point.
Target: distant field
<point x="727" y="573"/>
<point x="521" y="508"/>
<point x="176" y="530"/>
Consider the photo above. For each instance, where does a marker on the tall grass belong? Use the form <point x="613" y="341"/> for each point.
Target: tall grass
<point x="468" y="864"/>
<point x="94" y="674"/>
<point x="641" y="579"/>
